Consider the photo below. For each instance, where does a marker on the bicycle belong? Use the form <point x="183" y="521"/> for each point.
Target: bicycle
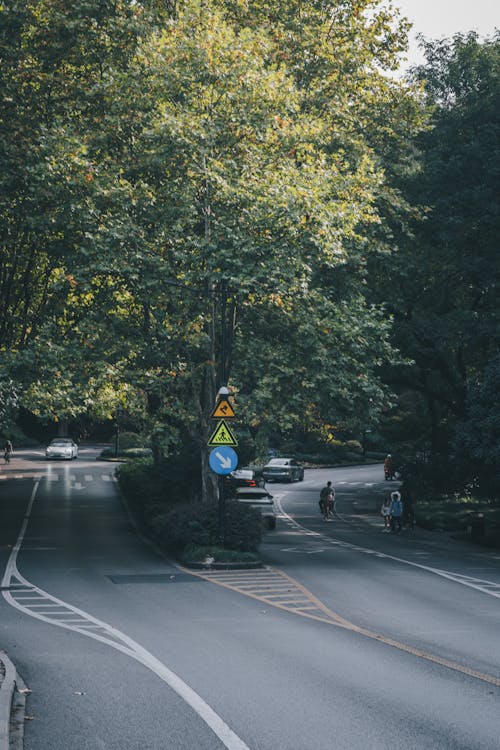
<point x="326" y="507"/>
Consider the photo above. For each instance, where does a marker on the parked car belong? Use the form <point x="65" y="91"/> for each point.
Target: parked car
<point x="62" y="448"/>
<point x="244" y="478"/>
<point x="258" y="497"/>
<point x="283" y="470"/>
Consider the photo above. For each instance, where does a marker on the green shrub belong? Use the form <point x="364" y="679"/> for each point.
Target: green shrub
<point x="128" y="440"/>
<point x="197" y="524"/>
<point x="159" y="499"/>
<point x="137" y="452"/>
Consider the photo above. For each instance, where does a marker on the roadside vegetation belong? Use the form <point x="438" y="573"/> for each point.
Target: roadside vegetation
<point x="167" y="512"/>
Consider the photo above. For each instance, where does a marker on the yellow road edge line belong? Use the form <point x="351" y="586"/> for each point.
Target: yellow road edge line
<point x="334" y="619"/>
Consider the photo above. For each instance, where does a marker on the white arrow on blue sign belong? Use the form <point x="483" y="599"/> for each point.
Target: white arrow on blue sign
<point x="223" y="460"/>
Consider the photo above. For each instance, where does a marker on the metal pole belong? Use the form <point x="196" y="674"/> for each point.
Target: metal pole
<point x="117" y="432"/>
<point x="222" y="508"/>
<point x="223" y="306"/>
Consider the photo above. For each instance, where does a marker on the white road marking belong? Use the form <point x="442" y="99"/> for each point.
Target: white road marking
<point x="101" y="631"/>
<point x="485" y="587"/>
<point x="89" y="478"/>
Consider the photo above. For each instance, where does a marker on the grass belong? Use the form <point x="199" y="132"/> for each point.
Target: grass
<point x="453" y="514"/>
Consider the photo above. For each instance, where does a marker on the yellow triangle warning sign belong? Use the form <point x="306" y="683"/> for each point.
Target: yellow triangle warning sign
<point x="223" y="410"/>
<point x="222" y="435"/>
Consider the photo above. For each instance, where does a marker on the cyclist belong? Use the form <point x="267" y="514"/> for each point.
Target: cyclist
<point x="7" y="451"/>
<point x="388" y="467"/>
<point x="326" y="500"/>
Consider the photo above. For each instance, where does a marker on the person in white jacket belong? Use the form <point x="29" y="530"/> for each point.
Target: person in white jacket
<point x="385" y="512"/>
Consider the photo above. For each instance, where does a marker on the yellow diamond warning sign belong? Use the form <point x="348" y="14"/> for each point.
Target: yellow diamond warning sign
<point x="223" y="410"/>
<point x="222" y="435"/>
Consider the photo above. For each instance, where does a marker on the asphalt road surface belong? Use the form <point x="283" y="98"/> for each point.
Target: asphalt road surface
<point x="348" y="639"/>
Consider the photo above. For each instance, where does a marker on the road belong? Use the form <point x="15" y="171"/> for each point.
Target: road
<point x="348" y="638"/>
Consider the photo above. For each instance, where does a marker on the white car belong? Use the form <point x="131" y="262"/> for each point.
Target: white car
<point x="62" y="448"/>
<point x="258" y="497"/>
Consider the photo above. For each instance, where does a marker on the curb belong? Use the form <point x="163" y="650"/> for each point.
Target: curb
<point x="221" y="565"/>
<point x="7" y="687"/>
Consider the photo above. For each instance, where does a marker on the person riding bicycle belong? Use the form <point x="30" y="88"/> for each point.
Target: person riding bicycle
<point x="388" y="467"/>
<point x="326" y="500"/>
<point x="7" y="450"/>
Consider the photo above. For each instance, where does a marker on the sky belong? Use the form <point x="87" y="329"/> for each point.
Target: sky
<point x="443" y="18"/>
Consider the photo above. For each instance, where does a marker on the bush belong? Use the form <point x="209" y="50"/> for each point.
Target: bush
<point x="196" y="524"/>
<point x="157" y="498"/>
<point x="131" y="440"/>
<point x="137" y="452"/>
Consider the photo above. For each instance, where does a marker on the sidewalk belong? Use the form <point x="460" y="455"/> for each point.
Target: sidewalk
<point x="12" y="705"/>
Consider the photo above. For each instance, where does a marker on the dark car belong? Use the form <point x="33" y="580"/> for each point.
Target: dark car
<point x="245" y="477"/>
<point x="260" y="499"/>
<point x="283" y="470"/>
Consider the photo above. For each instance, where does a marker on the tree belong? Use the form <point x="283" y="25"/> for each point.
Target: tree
<point x="442" y="285"/>
<point x="477" y="440"/>
<point x="199" y="157"/>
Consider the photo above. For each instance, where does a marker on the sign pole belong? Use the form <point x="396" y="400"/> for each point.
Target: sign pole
<point x="223" y="304"/>
<point x="222" y="508"/>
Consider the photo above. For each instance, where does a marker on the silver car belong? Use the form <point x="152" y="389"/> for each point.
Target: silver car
<point x="62" y="448"/>
<point x="283" y="470"/>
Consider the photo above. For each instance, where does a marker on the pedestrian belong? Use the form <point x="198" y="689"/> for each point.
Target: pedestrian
<point x="396" y="511"/>
<point x="385" y="512"/>
<point x="326" y="500"/>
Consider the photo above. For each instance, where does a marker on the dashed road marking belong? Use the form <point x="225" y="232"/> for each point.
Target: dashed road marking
<point x="492" y="588"/>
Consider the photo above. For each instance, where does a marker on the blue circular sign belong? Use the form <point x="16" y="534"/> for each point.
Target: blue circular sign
<point x="223" y="460"/>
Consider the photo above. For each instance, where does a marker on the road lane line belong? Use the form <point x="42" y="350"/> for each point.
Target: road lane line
<point x="485" y="587"/>
<point x="13" y="582"/>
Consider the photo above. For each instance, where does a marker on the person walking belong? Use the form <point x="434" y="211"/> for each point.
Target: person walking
<point x="385" y="512"/>
<point x="396" y="511"/>
<point x="326" y="500"/>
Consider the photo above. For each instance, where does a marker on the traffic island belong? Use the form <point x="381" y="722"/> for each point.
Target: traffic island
<point x="218" y="558"/>
<point x="193" y="565"/>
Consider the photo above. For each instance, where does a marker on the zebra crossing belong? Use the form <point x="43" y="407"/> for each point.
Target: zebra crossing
<point x="58" y="477"/>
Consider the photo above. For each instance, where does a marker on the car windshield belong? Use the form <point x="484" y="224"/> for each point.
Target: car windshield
<point x="279" y="462"/>
<point x="61" y="443"/>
